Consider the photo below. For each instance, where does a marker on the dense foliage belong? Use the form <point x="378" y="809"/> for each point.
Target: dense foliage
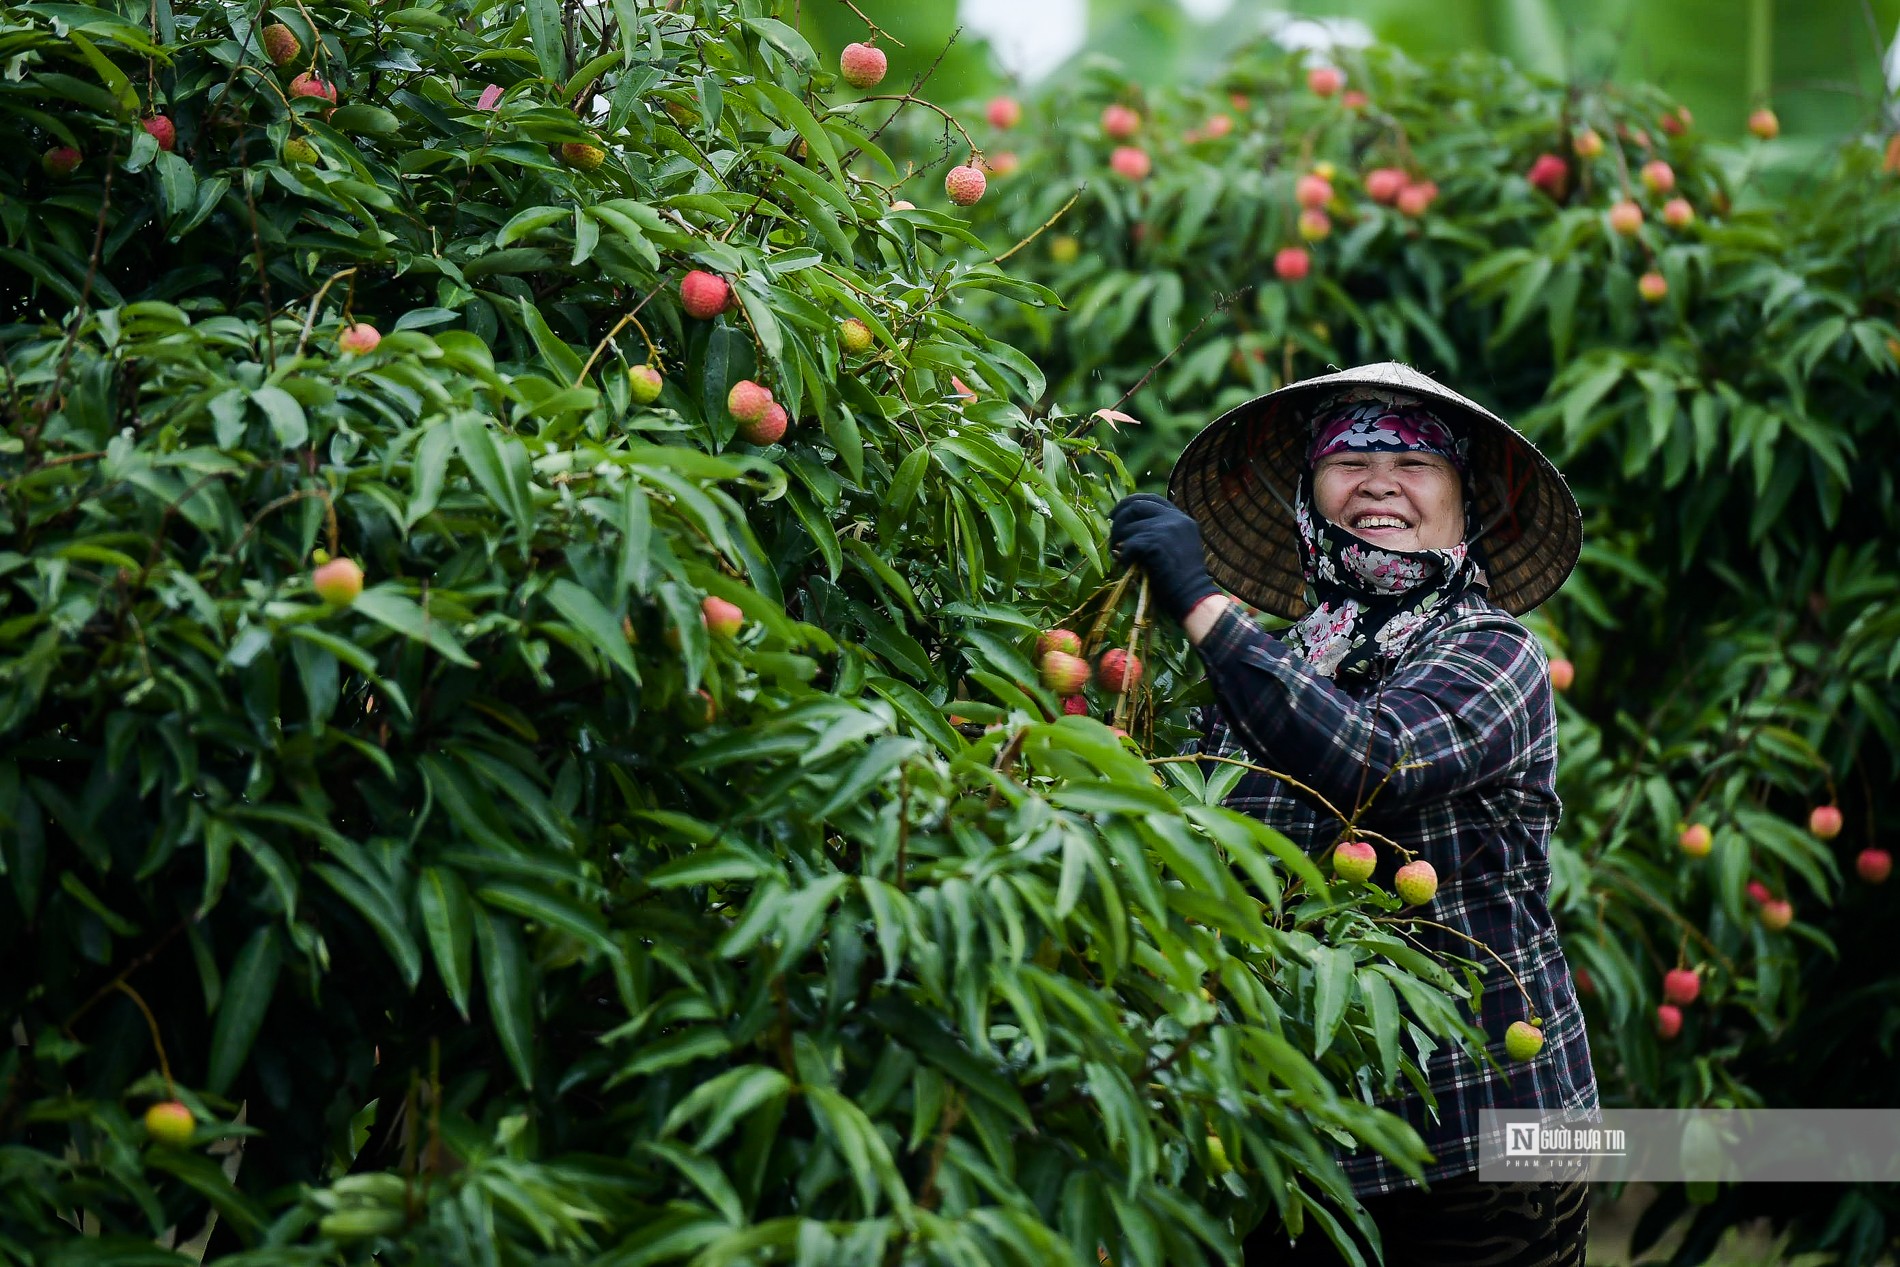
<point x="1734" y="619"/>
<point x="510" y="910"/>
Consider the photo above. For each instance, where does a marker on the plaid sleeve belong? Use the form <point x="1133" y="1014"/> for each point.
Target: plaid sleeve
<point x="1457" y="713"/>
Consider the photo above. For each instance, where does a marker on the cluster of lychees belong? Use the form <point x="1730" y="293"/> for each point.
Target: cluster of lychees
<point x="1064" y="669"/>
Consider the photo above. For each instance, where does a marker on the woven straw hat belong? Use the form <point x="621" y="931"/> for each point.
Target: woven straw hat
<point x="1238" y="479"/>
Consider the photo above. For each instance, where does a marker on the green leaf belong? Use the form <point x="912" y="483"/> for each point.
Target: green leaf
<point x="386" y="605"/>
<point x="448" y="918"/>
<point x="248" y="988"/>
<point x="508" y="978"/>
<point x="595" y="623"/>
<point x="549" y="36"/>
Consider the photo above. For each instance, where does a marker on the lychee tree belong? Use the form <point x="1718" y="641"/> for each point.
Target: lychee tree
<point x="1711" y="364"/>
<point x="463" y="801"/>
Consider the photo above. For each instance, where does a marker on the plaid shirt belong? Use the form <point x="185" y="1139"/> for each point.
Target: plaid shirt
<point x="1472" y="700"/>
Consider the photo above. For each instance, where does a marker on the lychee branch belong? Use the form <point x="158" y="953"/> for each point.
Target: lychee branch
<point x="653" y="353"/>
<point x="1395" y="920"/>
<point x="877" y="32"/>
<point x="913" y="99"/>
<point x="1046" y="224"/>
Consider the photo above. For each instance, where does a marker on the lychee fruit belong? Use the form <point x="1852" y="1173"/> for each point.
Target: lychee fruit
<point x="170" y="1123"/>
<point x="359" y="339"/>
<point x="1586" y="143"/>
<point x="1668" y="1021"/>
<point x="1523" y="1040"/>
<point x="1291" y="263"/>
<point x="1776" y="914"/>
<point x="580" y="154"/>
<point x="1075" y="706"/>
<point x="1325" y="81"/>
<point x="308" y="84"/>
<point x="1676" y="122"/>
<point x="722" y="618"/>
<point x="962" y="390"/>
<point x="1416" y="199"/>
<point x="1119" y="122"/>
<point x="1678" y="214"/>
<point x="1003" y="112"/>
<point x="1118" y="671"/>
<point x="1354" y="861"/>
<point x="299" y="149"/>
<point x="1681" y="986"/>
<point x="1550" y="174"/>
<point x="1064" y="249"/>
<point x="1696" y="840"/>
<point x="768" y="429"/>
<point x="965" y="184"/>
<point x="338" y="582"/>
<point x="1218" y="1162"/>
<point x="1759" y="892"/>
<point x="1066" y="641"/>
<point x="1314" y="225"/>
<point x="1063" y="673"/>
<point x="1562" y="674"/>
<point x="903" y="204"/>
<point x="644" y="384"/>
<point x="863" y="65"/>
<point x="747" y="401"/>
<point x="1384" y="183"/>
<point x="1416" y="882"/>
<point x="854" y="336"/>
<point x="1312" y="191"/>
<point x="704" y="295"/>
<point x="1131" y="162"/>
<point x="1626" y="218"/>
<point x="1354" y="100"/>
<point x="1653" y="287"/>
<point x="1658" y="176"/>
<point x="1825" y="821"/>
<point x="161" y="129"/>
<point x="1217" y="126"/>
<point x="1002" y="163"/>
<point x="1874" y="865"/>
<point x="281" y="44"/>
<point x="1764" y="124"/>
<point x="60" y="161"/>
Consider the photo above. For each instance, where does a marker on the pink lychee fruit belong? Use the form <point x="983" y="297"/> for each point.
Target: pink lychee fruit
<point x="1416" y="198"/>
<point x="1677" y="213"/>
<point x="1681" y="986"/>
<point x="1562" y="674"/>
<point x="723" y="619"/>
<point x="747" y="401"/>
<point x="1626" y="218"/>
<point x="1119" y="122"/>
<point x="1217" y="126"/>
<point x="1325" y="81"/>
<point x="1314" y="225"/>
<point x="1776" y="914"/>
<point x="863" y="65"/>
<point x="338" y="582"/>
<point x="1131" y="162"/>
<point x="60" y="161"/>
<point x="1550" y="174"/>
<point x="161" y="129"/>
<point x="1874" y="865"/>
<point x="1384" y="183"/>
<point x="1354" y="100"/>
<point x="1668" y="1021"/>
<point x="1696" y="840"/>
<point x="1653" y="287"/>
<point x="309" y="84"/>
<point x="965" y="184"/>
<point x="1825" y="821"/>
<point x="704" y="295"/>
<point x="1118" y="671"/>
<point x="1075" y="706"/>
<point x="1586" y="143"/>
<point x="1003" y="112"/>
<point x="1658" y="176"/>
<point x="1354" y="861"/>
<point x="1312" y="191"/>
<point x="359" y="339"/>
<point x="1002" y="163"/>
<point x="1416" y="882"/>
<point x="1063" y="673"/>
<point x="769" y="428"/>
<point x="1759" y="892"/>
<point x="1292" y="263"/>
<point x="1066" y="641"/>
<point x="1764" y="124"/>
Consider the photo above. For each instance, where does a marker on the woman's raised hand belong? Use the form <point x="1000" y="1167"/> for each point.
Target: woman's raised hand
<point x="1163" y="541"/>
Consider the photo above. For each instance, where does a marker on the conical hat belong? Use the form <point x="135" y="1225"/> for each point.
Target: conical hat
<point x="1238" y="478"/>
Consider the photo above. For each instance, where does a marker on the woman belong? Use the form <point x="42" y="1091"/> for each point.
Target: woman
<point x="1419" y="523"/>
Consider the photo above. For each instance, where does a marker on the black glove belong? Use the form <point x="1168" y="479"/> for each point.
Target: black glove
<point x="1164" y="542"/>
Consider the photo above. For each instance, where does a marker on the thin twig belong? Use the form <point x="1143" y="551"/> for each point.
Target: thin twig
<point x="1220" y="305"/>
<point x="310" y="317"/>
<point x="1045" y="225"/>
<point x="914" y="99"/>
<point x="92" y="272"/>
<point x="876" y="30"/>
<point x="653" y="353"/>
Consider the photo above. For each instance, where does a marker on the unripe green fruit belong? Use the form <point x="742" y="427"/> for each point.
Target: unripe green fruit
<point x="584" y="157"/>
<point x="1523" y="1040"/>
<point x="1776" y="914"/>
<point x="360" y="1223"/>
<point x="1064" y="249"/>
<point x="281" y="44"/>
<point x="170" y="1123"/>
<point x="854" y="336"/>
<point x="338" y="582"/>
<point x="1354" y="861"/>
<point x="1416" y="882"/>
<point x="644" y="384"/>
<point x="1217" y="1159"/>
<point x="299" y="150"/>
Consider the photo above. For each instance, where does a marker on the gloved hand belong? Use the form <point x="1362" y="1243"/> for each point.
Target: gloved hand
<point x="1165" y="542"/>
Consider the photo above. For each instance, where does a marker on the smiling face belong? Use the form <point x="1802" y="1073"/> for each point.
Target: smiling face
<point x="1396" y="501"/>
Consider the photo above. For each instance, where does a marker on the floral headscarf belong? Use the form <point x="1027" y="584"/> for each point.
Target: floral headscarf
<point x="1372" y="603"/>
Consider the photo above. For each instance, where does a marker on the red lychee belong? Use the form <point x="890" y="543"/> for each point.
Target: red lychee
<point x="1696" y="840"/>
<point x="1063" y="673"/>
<point x="359" y="339"/>
<point x="1676" y="122"/>
<point x="311" y="85"/>
<point x="1681" y="986"/>
<point x="1312" y="191"/>
<point x="1384" y="183"/>
<point x="723" y="619"/>
<point x="1066" y="641"/>
<point x="1416" y="198"/>
<point x="1874" y="865"/>
<point x="1354" y="861"/>
<point x="1118" y="671"/>
<point x="1825" y="821"/>
<point x="1550" y="174"/>
<point x="1004" y="112"/>
<point x="1324" y="81"/>
<point x="704" y="295"/>
<point x="863" y="65"/>
<point x="1002" y="163"/>
<point x="1668" y="1021"/>
<point x="1354" y="100"/>
<point x="161" y="129"/>
<point x="1759" y="892"/>
<point x="1626" y="218"/>
<point x="1586" y="143"/>
<point x="1217" y="126"/>
<point x="965" y="184"/>
<point x="1764" y="124"/>
<point x="1291" y="263"/>
<point x="747" y="401"/>
<point x="1677" y="213"/>
<point x="1776" y="914"/>
<point x="1119" y="122"/>
<point x="60" y="161"/>
<point x="1416" y="882"/>
<point x="1658" y="176"/>
<point x="1653" y="287"/>
<point x="338" y="582"/>
<point x="1131" y="162"/>
<point x="1075" y="706"/>
<point x="768" y="429"/>
<point x="1562" y="674"/>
